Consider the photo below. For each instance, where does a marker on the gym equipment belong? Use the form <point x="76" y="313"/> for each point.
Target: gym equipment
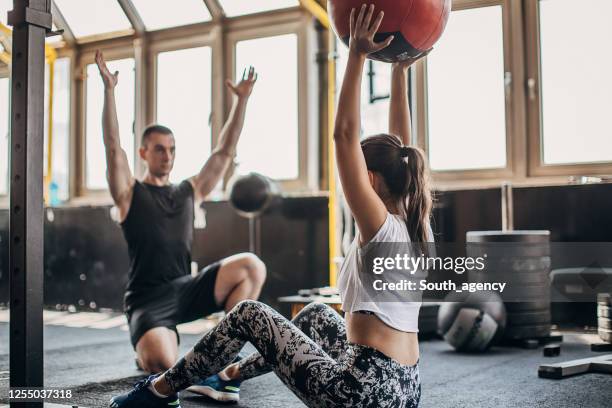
<point x="604" y="323"/>
<point x="601" y="347"/>
<point x="31" y="20"/>
<point x="251" y="196"/>
<point x="472" y="322"/>
<point x="415" y="24"/>
<point x="605" y="334"/>
<point x="604" y="311"/>
<point x="558" y="371"/>
<point x="428" y="320"/>
<point x="552" y="350"/>
<point x="522" y="259"/>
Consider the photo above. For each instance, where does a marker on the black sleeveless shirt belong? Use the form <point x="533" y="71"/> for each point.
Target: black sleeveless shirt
<point x="159" y="232"/>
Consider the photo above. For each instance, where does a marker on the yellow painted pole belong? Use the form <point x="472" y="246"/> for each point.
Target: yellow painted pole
<point x="321" y="14"/>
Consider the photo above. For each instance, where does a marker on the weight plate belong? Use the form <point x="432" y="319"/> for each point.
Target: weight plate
<point x="531" y="318"/>
<point x="542" y="304"/>
<point x="511" y="277"/>
<point x="527" y="332"/>
<point x="533" y="237"/>
<point x="604" y="311"/>
<point x="604" y="299"/>
<point x="604" y="323"/>
<point x="606" y="335"/>
<point x="516" y="264"/>
<point x="507" y="250"/>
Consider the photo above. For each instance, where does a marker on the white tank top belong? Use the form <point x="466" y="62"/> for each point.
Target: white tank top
<point x="402" y="316"/>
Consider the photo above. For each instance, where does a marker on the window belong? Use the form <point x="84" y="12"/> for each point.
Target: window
<point x="4" y="134"/>
<point x="271" y="124"/>
<point x="234" y="8"/>
<point x="95" y="158"/>
<point x="181" y="12"/>
<point x="184" y="104"/>
<point x="576" y="82"/>
<point x="61" y="127"/>
<point x="374" y="95"/>
<point x="466" y="93"/>
<point x="5" y="7"/>
<point x="91" y="17"/>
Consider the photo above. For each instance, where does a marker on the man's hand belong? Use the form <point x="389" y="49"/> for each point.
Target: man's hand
<point x="363" y="31"/>
<point x="110" y="80"/>
<point x="407" y="63"/>
<point x="244" y="88"/>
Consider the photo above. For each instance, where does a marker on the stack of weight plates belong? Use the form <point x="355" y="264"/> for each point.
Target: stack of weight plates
<point x="604" y="316"/>
<point x="522" y="260"/>
<point x="428" y="320"/>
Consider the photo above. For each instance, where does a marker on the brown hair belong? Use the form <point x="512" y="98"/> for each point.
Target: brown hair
<point x="405" y="172"/>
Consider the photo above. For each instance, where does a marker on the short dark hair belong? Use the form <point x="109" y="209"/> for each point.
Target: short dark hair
<point x="154" y="129"/>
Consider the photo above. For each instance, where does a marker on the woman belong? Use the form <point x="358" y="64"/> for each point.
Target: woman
<point x="371" y="359"/>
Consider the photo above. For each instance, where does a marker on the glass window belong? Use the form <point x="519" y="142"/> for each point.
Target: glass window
<point x="95" y="157"/>
<point x="375" y="99"/>
<point x="466" y="98"/>
<point x="184" y="104"/>
<point x="92" y="17"/>
<point x="4" y="134"/>
<point x="5" y="7"/>
<point x="183" y="12"/>
<point x="272" y="117"/>
<point x="234" y="8"/>
<point x="576" y="90"/>
<point x="61" y="128"/>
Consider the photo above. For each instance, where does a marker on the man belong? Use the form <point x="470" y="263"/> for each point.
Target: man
<point x="157" y="222"/>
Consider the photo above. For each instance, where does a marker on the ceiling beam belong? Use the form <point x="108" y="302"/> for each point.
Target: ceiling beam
<point x="60" y="22"/>
<point x="134" y="16"/>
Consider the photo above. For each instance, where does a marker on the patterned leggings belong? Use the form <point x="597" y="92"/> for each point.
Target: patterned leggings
<point x="311" y="355"/>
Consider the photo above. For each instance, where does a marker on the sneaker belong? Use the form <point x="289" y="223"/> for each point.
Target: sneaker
<point x="218" y="389"/>
<point x="141" y="396"/>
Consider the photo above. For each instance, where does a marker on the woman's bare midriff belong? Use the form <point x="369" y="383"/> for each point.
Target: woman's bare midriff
<point x="369" y="330"/>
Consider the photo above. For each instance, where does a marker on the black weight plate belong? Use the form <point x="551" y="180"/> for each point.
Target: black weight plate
<point x="527" y="278"/>
<point x="606" y="335"/>
<point x="604" y="311"/>
<point x="507" y="250"/>
<point x="516" y="264"/>
<point x="527" y="332"/>
<point x="604" y="323"/>
<point x="527" y="319"/>
<point x="538" y="305"/>
<point x="532" y="237"/>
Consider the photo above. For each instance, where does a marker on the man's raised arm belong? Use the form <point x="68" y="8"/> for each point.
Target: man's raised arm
<point x="221" y="158"/>
<point x="119" y="176"/>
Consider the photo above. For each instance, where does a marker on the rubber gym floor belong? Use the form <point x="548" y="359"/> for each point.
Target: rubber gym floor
<point x="97" y="364"/>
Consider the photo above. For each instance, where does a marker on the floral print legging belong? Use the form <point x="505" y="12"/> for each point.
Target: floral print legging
<point x="310" y="355"/>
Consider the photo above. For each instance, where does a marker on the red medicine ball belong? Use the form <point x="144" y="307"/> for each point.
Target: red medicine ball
<point x="416" y="24"/>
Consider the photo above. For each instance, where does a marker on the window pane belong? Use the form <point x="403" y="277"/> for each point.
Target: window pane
<point x="95" y="163"/>
<point x="91" y="17"/>
<point x="576" y="90"/>
<point x="5" y="7"/>
<point x="235" y="8"/>
<point x="466" y="99"/>
<point x="61" y="126"/>
<point x="272" y="117"/>
<point x="374" y="113"/>
<point x="184" y="104"/>
<point x="182" y="12"/>
<point x="4" y="134"/>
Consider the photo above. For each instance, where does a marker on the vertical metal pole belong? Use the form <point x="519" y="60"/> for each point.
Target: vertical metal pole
<point x="31" y="19"/>
<point x="507" y="207"/>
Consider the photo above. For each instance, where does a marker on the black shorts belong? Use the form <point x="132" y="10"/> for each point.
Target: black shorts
<point x="183" y="300"/>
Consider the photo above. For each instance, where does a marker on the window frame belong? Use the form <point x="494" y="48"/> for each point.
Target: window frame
<point x="513" y="120"/>
<point x="537" y="166"/>
<point x="244" y="30"/>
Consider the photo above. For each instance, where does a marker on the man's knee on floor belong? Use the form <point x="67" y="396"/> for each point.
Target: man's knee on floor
<point x="256" y="269"/>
